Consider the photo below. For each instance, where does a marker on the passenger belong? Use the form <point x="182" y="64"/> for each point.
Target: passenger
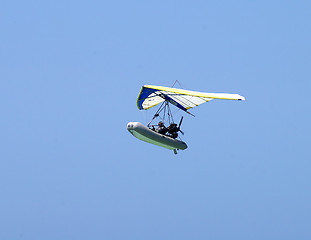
<point x="172" y="130"/>
<point x="161" y="128"/>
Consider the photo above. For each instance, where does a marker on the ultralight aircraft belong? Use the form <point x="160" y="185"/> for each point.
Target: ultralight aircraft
<point x="151" y="96"/>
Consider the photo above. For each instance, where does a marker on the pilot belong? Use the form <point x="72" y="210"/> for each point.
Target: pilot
<point x="172" y="130"/>
<point x="161" y="128"/>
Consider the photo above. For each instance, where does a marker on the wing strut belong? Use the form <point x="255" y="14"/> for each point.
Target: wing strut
<point x="165" y="108"/>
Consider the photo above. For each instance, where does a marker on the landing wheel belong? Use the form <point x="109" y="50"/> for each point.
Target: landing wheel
<point x="175" y="151"/>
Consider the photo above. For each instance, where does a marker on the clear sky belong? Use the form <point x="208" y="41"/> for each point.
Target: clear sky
<point x="70" y="74"/>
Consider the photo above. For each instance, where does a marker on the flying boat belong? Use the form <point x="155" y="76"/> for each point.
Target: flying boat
<point x="165" y="97"/>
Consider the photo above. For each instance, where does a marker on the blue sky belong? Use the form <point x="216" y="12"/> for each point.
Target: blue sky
<point x="70" y="75"/>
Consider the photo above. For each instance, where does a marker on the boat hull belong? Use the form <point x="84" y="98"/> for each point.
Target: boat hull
<point x="143" y="133"/>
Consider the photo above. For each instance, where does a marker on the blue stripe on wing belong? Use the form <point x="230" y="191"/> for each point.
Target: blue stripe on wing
<point x="146" y="92"/>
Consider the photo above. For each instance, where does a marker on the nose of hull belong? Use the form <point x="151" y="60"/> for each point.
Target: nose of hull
<point x="130" y="126"/>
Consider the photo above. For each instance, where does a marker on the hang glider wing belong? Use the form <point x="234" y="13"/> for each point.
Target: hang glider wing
<point x="151" y="95"/>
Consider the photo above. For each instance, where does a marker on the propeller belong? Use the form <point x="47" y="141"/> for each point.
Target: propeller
<point x="180" y="124"/>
